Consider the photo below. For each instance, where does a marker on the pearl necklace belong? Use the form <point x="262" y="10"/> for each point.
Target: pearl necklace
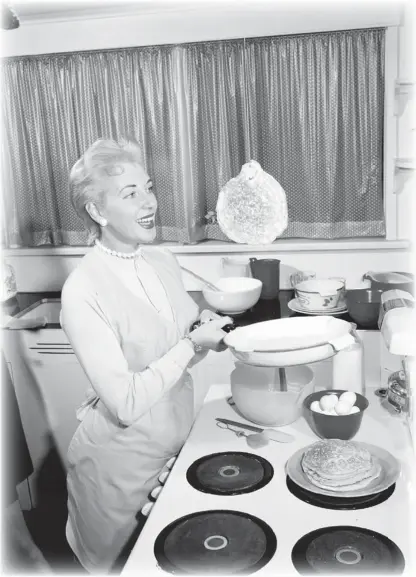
<point x="131" y="255"/>
<point x="127" y="255"/>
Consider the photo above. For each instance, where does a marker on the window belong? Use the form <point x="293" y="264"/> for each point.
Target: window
<point x="309" y="108"/>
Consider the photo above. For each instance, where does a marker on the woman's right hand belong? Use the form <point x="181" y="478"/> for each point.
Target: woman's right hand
<point x="209" y="334"/>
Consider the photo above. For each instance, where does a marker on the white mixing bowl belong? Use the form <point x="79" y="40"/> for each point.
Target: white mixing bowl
<point x="258" y="396"/>
<point x="236" y="294"/>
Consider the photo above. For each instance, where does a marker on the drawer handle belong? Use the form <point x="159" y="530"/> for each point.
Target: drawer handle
<point x="53" y="349"/>
<point x="55" y="352"/>
<point x="54" y="344"/>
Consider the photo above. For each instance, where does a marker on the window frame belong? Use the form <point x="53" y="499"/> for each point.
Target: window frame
<point x="390" y="136"/>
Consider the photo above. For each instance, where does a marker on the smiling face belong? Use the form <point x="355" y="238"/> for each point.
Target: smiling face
<point x="129" y="206"/>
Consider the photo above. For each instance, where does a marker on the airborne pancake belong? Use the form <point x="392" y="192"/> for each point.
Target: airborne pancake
<point x="337" y="465"/>
<point x="252" y="207"/>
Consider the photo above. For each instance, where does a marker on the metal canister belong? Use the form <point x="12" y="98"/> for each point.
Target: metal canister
<point x="397" y="392"/>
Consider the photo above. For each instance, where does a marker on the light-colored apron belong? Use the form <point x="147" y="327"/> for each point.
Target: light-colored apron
<point x="112" y="468"/>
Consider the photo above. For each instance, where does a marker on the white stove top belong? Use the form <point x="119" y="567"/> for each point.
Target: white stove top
<point x="289" y="517"/>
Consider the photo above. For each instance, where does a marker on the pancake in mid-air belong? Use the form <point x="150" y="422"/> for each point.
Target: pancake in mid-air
<point x="337" y="465"/>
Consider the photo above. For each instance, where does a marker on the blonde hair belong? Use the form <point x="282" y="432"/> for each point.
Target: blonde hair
<point x="102" y="159"/>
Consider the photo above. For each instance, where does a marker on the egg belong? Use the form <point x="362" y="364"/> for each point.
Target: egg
<point x="315" y="407"/>
<point x="328" y="402"/>
<point x="343" y="408"/>
<point x="349" y="397"/>
<point x="354" y="410"/>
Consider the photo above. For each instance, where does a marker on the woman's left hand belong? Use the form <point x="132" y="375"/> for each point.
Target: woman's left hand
<point x="204" y="317"/>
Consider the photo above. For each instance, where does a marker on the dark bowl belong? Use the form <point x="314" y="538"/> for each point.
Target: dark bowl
<point x="364" y="306"/>
<point x="380" y="281"/>
<point x="334" y="426"/>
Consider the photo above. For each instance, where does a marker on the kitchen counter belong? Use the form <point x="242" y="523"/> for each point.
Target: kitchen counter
<point x="22" y="301"/>
<point x="264" y="310"/>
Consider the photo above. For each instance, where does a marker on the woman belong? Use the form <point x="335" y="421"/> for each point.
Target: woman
<point x="127" y="316"/>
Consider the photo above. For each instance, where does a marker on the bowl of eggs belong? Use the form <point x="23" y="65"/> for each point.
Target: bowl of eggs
<point x="335" y="414"/>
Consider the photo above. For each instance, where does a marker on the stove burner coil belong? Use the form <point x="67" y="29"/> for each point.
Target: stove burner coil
<point x="347" y="550"/>
<point x="348" y="555"/>
<point x="229" y="473"/>
<point x="218" y="542"/>
<point x="342" y="503"/>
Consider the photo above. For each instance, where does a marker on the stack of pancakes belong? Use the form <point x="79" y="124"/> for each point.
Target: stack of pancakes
<point x="337" y="465"/>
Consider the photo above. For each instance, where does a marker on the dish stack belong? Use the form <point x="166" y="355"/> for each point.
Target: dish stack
<point x="318" y="296"/>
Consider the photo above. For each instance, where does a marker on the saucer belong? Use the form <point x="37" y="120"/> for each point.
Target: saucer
<point x="295" y="307"/>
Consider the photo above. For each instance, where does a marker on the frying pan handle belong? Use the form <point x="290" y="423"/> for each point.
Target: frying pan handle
<point x="226" y="328"/>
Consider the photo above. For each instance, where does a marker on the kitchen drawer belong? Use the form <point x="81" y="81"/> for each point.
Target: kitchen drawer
<point x="46" y="346"/>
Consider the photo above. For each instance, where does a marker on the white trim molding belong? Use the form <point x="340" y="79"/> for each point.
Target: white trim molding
<point x="390" y="139"/>
<point x="216" y="22"/>
<point x="47" y="268"/>
<point x="218" y="247"/>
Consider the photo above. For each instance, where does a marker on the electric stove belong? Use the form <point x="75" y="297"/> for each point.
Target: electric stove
<point x="228" y="509"/>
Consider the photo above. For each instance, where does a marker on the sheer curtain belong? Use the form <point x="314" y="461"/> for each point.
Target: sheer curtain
<point x="55" y="106"/>
<point x="215" y="103"/>
<point x="309" y="108"/>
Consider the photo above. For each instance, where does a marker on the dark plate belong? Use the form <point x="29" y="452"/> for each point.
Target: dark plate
<point x="218" y="542"/>
<point x="346" y="550"/>
<point x="229" y="473"/>
<point x="343" y="503"/>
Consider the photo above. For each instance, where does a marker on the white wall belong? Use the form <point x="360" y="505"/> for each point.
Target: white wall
<point x="236" y="20"/>
<point x="47" y="272"/>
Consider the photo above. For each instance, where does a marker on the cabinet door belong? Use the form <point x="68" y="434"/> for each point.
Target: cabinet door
<point x="29" y="399"/>
<point x="63" y="385"/>
<point x="51" y="387"/>
<point x="61" y="381"/>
